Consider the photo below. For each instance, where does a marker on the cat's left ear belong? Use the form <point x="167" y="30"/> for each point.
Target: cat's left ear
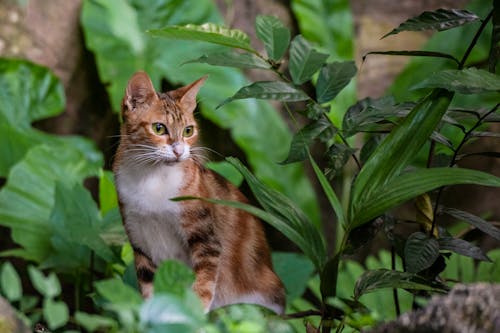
<point x="186" y="96"/>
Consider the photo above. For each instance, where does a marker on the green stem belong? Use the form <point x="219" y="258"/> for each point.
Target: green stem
<point x="474" y="40"/>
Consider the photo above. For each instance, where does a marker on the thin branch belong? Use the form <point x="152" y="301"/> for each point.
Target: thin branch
<point x="474" y="40"/>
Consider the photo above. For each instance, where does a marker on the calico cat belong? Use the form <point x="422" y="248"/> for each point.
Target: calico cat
<point x="156" y="161"/>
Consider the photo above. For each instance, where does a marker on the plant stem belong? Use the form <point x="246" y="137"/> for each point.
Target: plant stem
<point x="474" y="40"/>
<point x="395" y="291"/>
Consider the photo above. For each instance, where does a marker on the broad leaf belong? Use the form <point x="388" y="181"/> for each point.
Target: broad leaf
<point x="373" y="280"/>
<point x="173" y="277"/>
<point x="48" y="286"/>
<point x="462" y="247"/>
<point x="333" y="77"/>
<point x="409" y="185"/>
<point x="56" y="313"/>
<point x="439" y="20"/>
<point x="400" y="147"/>
<point x="465" y="81"/>
<point x="232" y="59"/>
<point x="420" y="252"/>
<point x="207" y="32"/>
<point x="118" y="293"/>
<point x="275" y="90"/>
<point x="295" y="270"/>
<point x="275" y="36"/>
<point x="304" y="60"/>
<point x="474" y="220"/>
<point x="299" y="147"/>
<point x="93" y="322"/>
<point x="10" y="282"/>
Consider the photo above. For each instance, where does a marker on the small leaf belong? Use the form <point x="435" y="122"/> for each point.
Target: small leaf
<point x="173" y="277"/>
<point x="92" y="322"/>
<point x="55" y="313"/>
<point x="439" y="20"/>
<point x="275" y="36"/>
<point x="373" y="280"/>
<point x="425" y="213"/>
<point x="420" y="252"/>
<point x="474" y="220"/>
<point x="336" y="157"/>
<point x="208" y="32"/>
<point x="276" y="90"/>
<point x="10" y="282"/>
<point x="304" y="60"/>
<point x="115" y="291"/>
<point x="462" y="247"/>
<point x="333" y="77"/>
<point x="232" y="59"/>
<point x="415" y="53"/>
<point x="108" y="199"/>
<point x="299" y="147"/>
<point x="465" y="81"/>
<point x="315" y="111"/>
<point x="48" y="286"/>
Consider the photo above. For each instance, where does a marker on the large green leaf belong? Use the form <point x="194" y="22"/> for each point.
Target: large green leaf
<point x="333" y="77"/>
<point x="275" y="36"/>
<point x="409" y="185"/>
<point x="420" y="252"/>
<point x="162" y="58"/>
<point x="373" y="280"/>
<point x="29" y="93"/>
<point x="441" y="19"/>
<point x="295" y="270"/>
<point x="400" y="146"/>
<point x="27" y="199"/>
<point x="207" y="32"/>
<point x="304" y="60"/>
<point x="465" y="81"/>
<point x="233" y="59"/>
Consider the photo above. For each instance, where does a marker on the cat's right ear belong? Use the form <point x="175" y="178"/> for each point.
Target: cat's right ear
<point x="140" y="92"/>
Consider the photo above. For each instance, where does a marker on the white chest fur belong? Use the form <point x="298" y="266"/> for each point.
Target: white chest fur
<point x="152" y="219"/>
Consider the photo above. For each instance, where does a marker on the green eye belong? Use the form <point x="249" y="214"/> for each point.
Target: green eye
<point x="188" y="131"/>
<point x="159" y="129"/>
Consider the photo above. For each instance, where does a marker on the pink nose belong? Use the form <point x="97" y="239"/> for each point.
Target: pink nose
<point x="178" y="150"/>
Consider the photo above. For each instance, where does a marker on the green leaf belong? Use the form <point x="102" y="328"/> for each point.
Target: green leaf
<point x="474" y="220"/>
<point x="328" y="278"/>
<point x="93" y="322"/>
<point x="399" y="147"/>
<point x="494" y="54"/>
<point x="275" y="90"/>
<point x="462" y="247"/>
<point x="295" y="270"/>
<point x="10" y="282"/>
<point x="116" y="292"/>
<point x="439" y="20"/>
<point x="227" y="171"/>
<point x="299" y="147"/>
<point x="48" y="286"/>
<point x="415" y="53"/>
<point x="373" y="280"/>
<point x="304" y="60"/>
<point x="336" y="157"/>
<point x="465" y="81"/>
<point x="207" y="32"/>
<point x="232" y="59"/>
<point x="56" y="313"/>
<point x="108" y="199"/>
<point x="173" y="277"/>
<point x="275" y="36"/>
<point x="420" y="252"/>
<point x="409" y="185"/>
<point x="333" y="77"/>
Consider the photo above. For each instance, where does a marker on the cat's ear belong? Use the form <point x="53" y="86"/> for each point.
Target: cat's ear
<point x="139" y="92"/>
<point x="186" y="96"/>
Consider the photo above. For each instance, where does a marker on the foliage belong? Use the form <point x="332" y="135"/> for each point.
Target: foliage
<point x="79" y="245"/>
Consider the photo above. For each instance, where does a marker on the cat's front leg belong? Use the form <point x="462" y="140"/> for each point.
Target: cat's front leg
<point x="145" y="269"/>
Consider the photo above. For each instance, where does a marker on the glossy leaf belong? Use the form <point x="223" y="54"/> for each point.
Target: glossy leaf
<point x="439" y="20"/>
<point x="207" y="32"/>
<point x="275" y="90"/>
<point x="400" y="146"/>
<point x="232" y="59"/>
<point x="373" y="280"/>
<point x="275" y="36"/>
<point x="409" y="185"/>
<point x="420" y="252"/>
<point x="56" y="313"/>
<point x="474" y="220"/>
<point x="333" y="77"/>
<point x="299" y="147"/>
<point x="304" y="60"/>
<point x="173" y="277"/>
<point x="462" y="247"/>
<point x="10" y="282"/>
<point x="465" y="81"/>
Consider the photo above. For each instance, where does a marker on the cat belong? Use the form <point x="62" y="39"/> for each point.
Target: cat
<point x="156" y="160"/>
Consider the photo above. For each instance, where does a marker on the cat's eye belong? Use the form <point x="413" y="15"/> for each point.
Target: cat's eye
<point x="188" y="131"/>
<point x="159" y="129"/>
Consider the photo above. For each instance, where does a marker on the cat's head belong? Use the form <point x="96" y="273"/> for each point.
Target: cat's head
<point x="159" y="127"/>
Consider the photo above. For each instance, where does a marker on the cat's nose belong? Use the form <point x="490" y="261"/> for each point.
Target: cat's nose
<point x="178" y="149"/>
